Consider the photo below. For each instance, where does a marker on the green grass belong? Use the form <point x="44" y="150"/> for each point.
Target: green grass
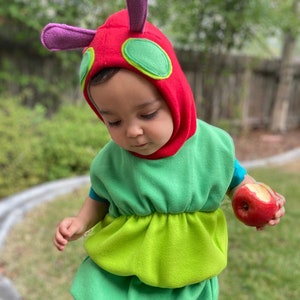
<point x="261" y="265"/>
<point x="31" y="261"/>
<point x="265" y="265"/>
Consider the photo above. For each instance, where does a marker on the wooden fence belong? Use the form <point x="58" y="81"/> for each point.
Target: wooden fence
<point x="238" y="91"/>
<point x="229" y="90"/>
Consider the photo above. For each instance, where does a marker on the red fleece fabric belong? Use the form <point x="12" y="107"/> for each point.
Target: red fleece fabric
<point x="107" y="45"/>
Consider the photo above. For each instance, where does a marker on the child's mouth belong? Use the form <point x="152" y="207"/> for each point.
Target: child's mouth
<point x="140" y="145"/>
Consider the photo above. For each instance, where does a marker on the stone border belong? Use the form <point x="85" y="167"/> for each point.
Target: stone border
<point x="13" y="209"/>
<point x="275" y="160"/>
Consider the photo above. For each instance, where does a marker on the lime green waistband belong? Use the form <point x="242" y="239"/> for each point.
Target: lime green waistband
<point x="163" y="250"/>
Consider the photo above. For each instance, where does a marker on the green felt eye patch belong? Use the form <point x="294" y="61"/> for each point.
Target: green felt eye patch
<point x="148" y="57"/>
<point x="86" y="65"/>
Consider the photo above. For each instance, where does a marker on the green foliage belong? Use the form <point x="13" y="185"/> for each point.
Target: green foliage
<point x="206" y="24"/>
<point x="26" y="67"/>
<point x="210" y="24"/>
<point x="30" y="16"/>
<point x="35" y="149"/>
<point x="230" y="126"/>
<point x="284" y="16"/>
<point x="71" y="139"/>
<point x="20" y="151"/>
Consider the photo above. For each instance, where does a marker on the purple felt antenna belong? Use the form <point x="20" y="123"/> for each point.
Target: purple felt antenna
<point x="137" y="10"/>
<point x="57" y="37"/>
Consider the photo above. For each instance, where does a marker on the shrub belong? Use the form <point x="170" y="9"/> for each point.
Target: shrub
<point x="35" y="149"/>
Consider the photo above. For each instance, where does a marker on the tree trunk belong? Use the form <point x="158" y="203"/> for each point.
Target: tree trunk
<point x="245" y="98"/>
<point x="281" y="107"/>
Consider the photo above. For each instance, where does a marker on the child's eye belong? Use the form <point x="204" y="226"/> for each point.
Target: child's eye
<point x="114" y="124"/>
<point x="149" y="116"/>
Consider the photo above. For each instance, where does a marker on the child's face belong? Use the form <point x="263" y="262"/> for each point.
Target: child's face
<point x="137" y="117"/>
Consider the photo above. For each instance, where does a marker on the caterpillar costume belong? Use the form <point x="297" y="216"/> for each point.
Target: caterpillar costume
<point x="165" y="236"/>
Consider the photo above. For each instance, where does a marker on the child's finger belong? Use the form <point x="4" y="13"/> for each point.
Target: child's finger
<point x="59" y="241"/>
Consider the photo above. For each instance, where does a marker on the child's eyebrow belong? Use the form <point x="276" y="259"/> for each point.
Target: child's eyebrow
<point x="148" y="103"/>
<point x="138" y="107"/>
<point x="105" y="112"/>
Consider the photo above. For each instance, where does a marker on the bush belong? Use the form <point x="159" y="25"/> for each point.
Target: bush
<point x="35" y="149"/>
<point x="70" y="141"/>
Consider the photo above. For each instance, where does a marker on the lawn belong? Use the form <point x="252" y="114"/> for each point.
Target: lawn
<point x="266" y="265"/>
<point x="262" y="265"/>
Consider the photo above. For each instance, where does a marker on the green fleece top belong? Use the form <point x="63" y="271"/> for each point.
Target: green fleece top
<point x="164" y="223"/>
<point x="195" y="179"/>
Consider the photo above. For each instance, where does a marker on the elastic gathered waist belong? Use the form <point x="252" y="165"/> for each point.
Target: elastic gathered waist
<point x="163" y="250"/>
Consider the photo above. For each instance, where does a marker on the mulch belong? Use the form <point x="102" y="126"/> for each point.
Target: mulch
<point x="260" y="144"/>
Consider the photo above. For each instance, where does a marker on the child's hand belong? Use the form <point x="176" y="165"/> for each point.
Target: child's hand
<point x="67" y="230"/>
<point x="280" y="212"/>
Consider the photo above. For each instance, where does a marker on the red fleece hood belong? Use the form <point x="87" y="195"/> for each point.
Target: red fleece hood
<point x="150" y="54"/>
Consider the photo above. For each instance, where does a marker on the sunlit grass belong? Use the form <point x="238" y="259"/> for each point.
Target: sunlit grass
<point x="261" y="265"/>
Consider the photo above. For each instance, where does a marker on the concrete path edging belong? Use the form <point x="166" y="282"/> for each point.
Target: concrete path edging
<point x="275" y="160"/>
<point x="12" y="209"/>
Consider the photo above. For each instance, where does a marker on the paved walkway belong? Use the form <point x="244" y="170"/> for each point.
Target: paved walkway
<point x="12" y="209"/>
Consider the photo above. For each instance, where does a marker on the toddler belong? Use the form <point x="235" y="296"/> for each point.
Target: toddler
<point x="155" y="227"/>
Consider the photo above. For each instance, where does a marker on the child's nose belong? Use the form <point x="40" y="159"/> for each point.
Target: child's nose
<point x="134" y="130"/>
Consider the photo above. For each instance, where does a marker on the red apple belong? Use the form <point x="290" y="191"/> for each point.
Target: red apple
<point x="255" y="204"/>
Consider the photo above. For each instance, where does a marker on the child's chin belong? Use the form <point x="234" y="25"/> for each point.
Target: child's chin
<point x="144" y="152"/>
